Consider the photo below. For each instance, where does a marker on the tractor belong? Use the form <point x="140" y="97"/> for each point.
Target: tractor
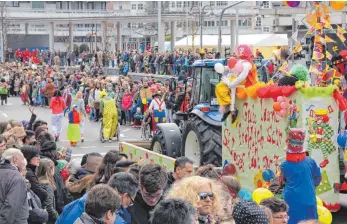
<point x="197" y="134"/>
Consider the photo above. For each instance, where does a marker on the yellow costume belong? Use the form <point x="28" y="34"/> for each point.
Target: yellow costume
<point x="110" y="117"/>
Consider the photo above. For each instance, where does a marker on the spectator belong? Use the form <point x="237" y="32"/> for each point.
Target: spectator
<point x="107" y="166"/>
<point x="268" y="212"/>
<point x="173" y="211"/>
<point x="45" y="174"/>
<point x="279" y="209"/>
<point x="248" y="212"/>
<point x="204" y="194"/>
<point x="183" y="168"/>
<point x="3" y="145"/>
<point x="4" y="127"/>
<point x="127" y="186"/>
<point x="152" y="181"/>
<point x="29" y="139"/>
<point x="13" y="198"/>
<point x="208" y="171"/>
<point x="32" y="155"/>
<point x="102" y="205"/>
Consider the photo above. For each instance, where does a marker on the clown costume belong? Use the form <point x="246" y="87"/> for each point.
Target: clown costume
<point x="74" y="130"/>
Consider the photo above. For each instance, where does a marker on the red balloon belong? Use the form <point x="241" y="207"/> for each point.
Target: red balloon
<point x="288" y="90"/>
<point x="275" y="91"/>
<point x="340" y="100"/>
<point x="229" y="169"/>
<point x="293" y="4"/>
<point x="263" y="92"/>
<point x="232" y="62"/>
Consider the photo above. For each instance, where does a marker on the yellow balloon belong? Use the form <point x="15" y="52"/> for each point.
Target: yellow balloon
<point x="260" y="194"/>
<point x="324" y="215"/>
<point x="319" y="201"/>
<point x="337" y="5"/>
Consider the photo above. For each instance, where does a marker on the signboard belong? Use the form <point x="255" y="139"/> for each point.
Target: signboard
<point x="257" y="141"/>
<point x="136" y="153"/>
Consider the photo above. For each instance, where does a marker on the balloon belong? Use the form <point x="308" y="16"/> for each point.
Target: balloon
<point x="219" y="68"/>
<point x="282" y="113"/>
<point x="293" y="4"/>
<point x="337" y="5"/>
<point x="342" y="139"/>
<point x="319" y="201"/>
<point x="231" y="63"/>
<point x="280" y="99"/>
<point x="260" y="194"/>
<point x="324" y="215"/>
<point x="284" y="105"/>
<point x="238" y="67"/>
<point x="277" y="106"/>
<point x="245" y="194"/>
<point x="268" y="175"/>
<point x="230" y="169"/>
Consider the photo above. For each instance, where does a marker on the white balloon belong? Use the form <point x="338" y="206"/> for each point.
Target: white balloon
<point x="219" y="68"/>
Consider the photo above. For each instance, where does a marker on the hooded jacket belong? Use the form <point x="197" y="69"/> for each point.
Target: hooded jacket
<point x="57" y="105"/>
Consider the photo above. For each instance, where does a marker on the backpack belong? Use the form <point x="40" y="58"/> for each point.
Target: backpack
<point x="3" y="90"/>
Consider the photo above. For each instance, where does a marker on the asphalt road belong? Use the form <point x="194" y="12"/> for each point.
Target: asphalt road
<point x="16" y="110"/>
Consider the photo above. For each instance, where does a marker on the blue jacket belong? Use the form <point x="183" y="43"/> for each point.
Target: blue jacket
<point x="75" y="209"/>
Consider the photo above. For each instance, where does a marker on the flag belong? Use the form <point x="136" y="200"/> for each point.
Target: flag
<point x="340" y="30"/>
<point x="297" y="49"/>
<point x="317" y="55"/>
<point x="341" y="37"/>
<point x="329" y="40"/>
<point x="284" y="68"/>
<point x="328" y="55"/>
<point x="319" y="39"/>
<point x="313" y="69"/>
<point x="326" y="24"/>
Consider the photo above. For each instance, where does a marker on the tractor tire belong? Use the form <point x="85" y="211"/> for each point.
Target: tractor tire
<point x="167" y="140"/>
<point x="209" y="142"/>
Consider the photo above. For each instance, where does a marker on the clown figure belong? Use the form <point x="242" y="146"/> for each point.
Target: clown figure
<point x="110" y="116"/>
<point x="321" y="133"/>
<point x="158" y="109"/>
<point x="245" y="75"/>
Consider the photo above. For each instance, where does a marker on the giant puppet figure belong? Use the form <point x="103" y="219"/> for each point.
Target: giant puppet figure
<point x="243" y="74"/>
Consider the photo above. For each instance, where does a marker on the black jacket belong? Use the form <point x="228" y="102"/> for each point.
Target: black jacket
<point x="35" y="186"/>
<point x="49" y="204"/>
<point x="62" y="195"/>
<point x="13" y="195"/>
<point x="140" y="211"/>
<point x="170" y="181"/>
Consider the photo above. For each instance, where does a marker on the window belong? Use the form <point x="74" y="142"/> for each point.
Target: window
<point x="258" y="21"/>
<point x="120" y="7"/>
<point x="90" y="5"/>
<point x="185" y="4"/>
<point x="212" y="3"/>
<point x="245" y="22"/>
<point x="38" y="5"/>
<point x="15" y="4"/>
<point x="173" y="4"/>
<point x="205" y="23"/>
<point x="140" y="6"/>
<point x="133" y="6"/>
<point x="129" y="25"/>
<point x="79" y="5"/>
<point x="210" y="23"/>
<point x="179" y="4"/>
<point x="266" y="29"/>
<point x="103" y="5"/>
<point x="266" y="4"/>
<point x="222" y="3"/>
<point x="59" y="5"/>
<point x="140" y="25"/>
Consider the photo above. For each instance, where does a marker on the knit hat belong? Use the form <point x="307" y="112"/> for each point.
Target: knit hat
<point x="61" y="164"/>
<point x="295" y="141"/>
<point x="29" y="133"/>
<point x="248" y="212"/>
<point x="25" y="124"/>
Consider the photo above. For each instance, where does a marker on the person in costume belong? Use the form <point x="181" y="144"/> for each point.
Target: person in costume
<point x="244" y="73"/>
<point x="158" y="108"/>
<point x="321" y="133"/>
<point x="145" y="93"/>
<point x="301" y="175"/>
<point x="110" y="115"/>
<point x="297" y="73"/>
<point x="78" y="100"/>
<point x="73" y="129"/>
<point x="58" y="106"/>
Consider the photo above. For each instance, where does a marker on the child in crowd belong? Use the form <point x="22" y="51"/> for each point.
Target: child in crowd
<point x="3" y="91"/>
<point x="138" y="116"/>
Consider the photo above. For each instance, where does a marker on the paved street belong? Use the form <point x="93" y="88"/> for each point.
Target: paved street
<point x="16" y="110"/>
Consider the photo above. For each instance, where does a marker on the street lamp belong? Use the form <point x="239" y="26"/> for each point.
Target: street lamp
<point x="220" y="25"/>
<point x="201" y="19"/>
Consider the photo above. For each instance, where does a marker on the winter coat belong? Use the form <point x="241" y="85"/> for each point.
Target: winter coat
<point x="84" y="219"/>
<point x="37" y="215"/>
<point x="140" y="211"/>
<point x="13" y="195"/>
<point x="34" y="183"/>
<point x="62" y="195"/>
<point x="49" y="203"/>
<point x="79" y="187"/>
<point x="48" y="90"/>
<point x="127" y="101"/>
<point x="57" y="105"/>
<point x="75" y="209"/>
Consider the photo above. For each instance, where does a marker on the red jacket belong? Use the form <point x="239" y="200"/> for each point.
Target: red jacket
<point x="127" y="101"/>
<point x="57" y="105"/>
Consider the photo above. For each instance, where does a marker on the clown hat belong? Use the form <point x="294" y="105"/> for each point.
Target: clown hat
<point x="321" y="112"/>
<point x="295" y="141"/>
